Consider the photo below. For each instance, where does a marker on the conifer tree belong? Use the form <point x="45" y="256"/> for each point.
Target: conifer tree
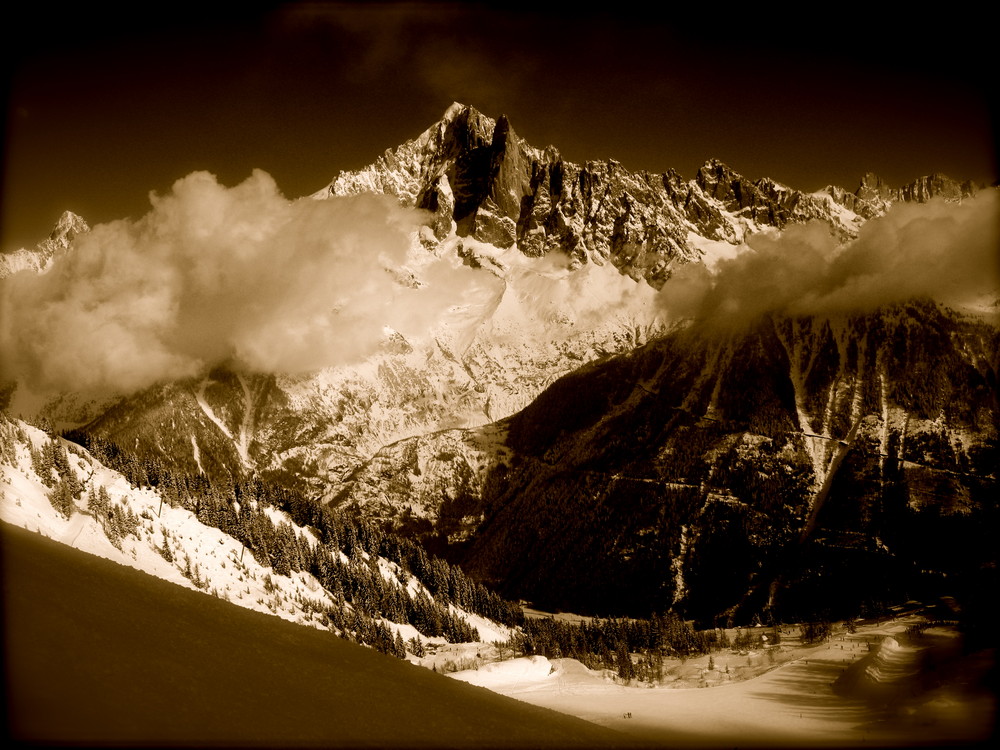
<point x="61" y="497"/>
<point x="626" y="669"/>
<point x="165" y="547"/>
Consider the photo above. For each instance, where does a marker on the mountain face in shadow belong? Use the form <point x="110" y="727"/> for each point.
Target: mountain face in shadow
<point x="796" y="467"/>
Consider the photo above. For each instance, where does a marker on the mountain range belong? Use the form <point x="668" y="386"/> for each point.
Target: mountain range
<point x="566" y="438"/>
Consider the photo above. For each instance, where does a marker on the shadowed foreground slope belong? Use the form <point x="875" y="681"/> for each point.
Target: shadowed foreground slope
<point x="98" y="653"/>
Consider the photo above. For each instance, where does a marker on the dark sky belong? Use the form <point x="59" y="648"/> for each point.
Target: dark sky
<point x="103" y="109"/>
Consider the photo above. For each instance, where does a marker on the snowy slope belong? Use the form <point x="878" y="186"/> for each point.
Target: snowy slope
<point x="215" y="556"/>
<point x="146" y="533"/>
<point x="858" y="689"/>
<point x="518" y="324"/>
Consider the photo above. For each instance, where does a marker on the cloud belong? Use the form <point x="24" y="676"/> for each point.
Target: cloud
<point x="214" y="274"/>
<point x="242" y="275"/>
<point x="565" y="296"/>
<point x="949" y="252"/>
<point x="554" y="298"/>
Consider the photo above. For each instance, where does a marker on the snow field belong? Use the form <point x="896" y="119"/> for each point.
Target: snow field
<point x="853" y="690"/>
<point x="511" y="673"/>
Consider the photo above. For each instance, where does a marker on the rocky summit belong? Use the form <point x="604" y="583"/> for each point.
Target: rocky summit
<point x="40" y="257"/>
<point x="481" y="180"/>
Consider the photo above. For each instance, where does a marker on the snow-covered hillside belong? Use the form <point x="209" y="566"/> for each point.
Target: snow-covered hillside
<point x="101" y="655"/>
<point x="516" y="324"/>
<point x="56" y="488"/>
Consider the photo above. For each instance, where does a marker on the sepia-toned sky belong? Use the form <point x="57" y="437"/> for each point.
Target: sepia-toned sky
<point x="104" y="108"/>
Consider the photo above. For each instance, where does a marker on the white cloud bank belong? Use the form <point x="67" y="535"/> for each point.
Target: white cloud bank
<point x="242" y="275"/>
<point x="214" y="274"/>
<point x="949" y="252"/>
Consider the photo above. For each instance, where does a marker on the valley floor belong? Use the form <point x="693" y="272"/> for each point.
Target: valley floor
<point x="837" y="694"/>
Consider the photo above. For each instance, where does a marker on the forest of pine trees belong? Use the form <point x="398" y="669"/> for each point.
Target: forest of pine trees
<point x="51" y="464"/>
<point x="610" y="643"/>
<point x="343" y="557"/>
<point x="364" y="594"/>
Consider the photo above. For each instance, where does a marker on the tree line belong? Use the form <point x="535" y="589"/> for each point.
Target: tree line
<point x="611" y="643"/>
<point x="342" y="552"/>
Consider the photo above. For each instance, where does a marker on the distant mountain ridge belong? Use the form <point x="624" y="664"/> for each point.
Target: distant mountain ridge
<point x="481" y="180"/>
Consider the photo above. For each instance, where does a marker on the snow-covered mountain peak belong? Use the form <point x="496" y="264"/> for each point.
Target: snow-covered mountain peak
<point x="481" y="181"/>
<point x="39" y="258"/>
<point x="68" y="226"/>
<point x="575" y="253"/>
<point x="453" y="110"/>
